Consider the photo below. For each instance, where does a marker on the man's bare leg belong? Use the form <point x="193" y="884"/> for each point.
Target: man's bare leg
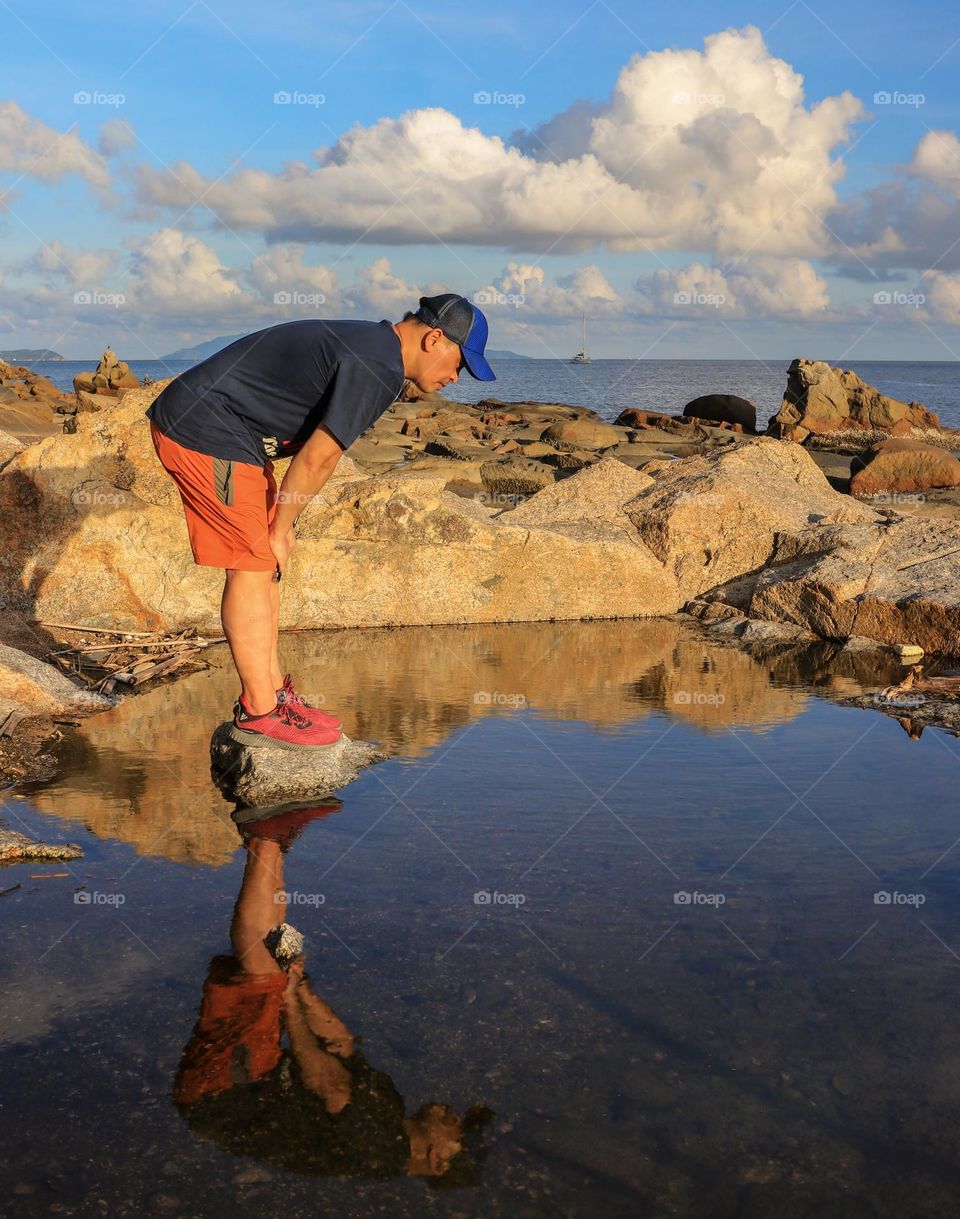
<point x="276" y="674"/>
<point x="249" y="612"/>
<point x="258" y="909"/>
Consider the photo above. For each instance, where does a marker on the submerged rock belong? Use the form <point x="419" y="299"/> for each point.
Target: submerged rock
<point x="265" y="774"/>
<point x="15" y="848"/>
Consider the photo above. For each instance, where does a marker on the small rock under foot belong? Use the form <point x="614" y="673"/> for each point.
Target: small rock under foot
<point x="262" y="774"/>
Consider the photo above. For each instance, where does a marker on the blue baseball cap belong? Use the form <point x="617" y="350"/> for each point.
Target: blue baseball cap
<point x="464" y="324"/>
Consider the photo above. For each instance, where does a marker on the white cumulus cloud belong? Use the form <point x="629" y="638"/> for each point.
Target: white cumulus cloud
<point x="713" y="150"/>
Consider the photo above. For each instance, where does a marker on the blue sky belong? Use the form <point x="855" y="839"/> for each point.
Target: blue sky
<point x="193" y="85"/>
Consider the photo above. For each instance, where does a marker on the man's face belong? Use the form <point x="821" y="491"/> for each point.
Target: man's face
<point x="441" y="364"/>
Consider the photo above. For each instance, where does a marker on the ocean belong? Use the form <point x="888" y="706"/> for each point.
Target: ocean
<point x="608" y="386"/>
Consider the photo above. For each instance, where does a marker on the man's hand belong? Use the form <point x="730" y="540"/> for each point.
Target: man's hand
<point x="305" y="475"/>
<point x="282" y="542"/>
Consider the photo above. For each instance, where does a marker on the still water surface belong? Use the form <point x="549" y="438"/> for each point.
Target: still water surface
<point x="612" y="896"/>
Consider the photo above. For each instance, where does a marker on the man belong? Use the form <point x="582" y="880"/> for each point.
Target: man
<point x="306" y="390"/>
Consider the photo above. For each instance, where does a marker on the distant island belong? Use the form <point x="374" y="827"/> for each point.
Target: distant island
<point x="28" y="355"/>
<point x="210" y="348"/>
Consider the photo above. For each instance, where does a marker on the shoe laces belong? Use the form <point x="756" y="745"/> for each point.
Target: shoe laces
<point x="290" y="715"/>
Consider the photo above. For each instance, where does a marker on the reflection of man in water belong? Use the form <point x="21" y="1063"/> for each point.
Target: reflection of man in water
<point x="318" y="1107"/>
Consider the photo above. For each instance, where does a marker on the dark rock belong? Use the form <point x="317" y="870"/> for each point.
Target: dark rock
<point x="723" y="408"/>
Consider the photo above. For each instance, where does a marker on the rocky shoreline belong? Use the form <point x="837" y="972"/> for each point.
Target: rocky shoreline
<point x="511" y="512"/>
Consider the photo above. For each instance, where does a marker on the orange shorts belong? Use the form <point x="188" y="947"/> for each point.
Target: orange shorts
<point x="228" y="505"/>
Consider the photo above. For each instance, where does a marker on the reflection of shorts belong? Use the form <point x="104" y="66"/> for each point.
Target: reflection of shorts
<point x="228" y="505"/>
<point x="237" y="1038"/>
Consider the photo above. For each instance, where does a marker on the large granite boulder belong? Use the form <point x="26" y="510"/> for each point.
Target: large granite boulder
<point x="900" y="465"/>
<point x="896" y="580"/>
<point x="716" y="516"/>
<point x="822" y="400"/>
<point x="724" y="408"/>
<point x="92" y="532"/>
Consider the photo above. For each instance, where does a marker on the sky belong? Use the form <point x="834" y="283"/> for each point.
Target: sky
<point x="778" y="180"/>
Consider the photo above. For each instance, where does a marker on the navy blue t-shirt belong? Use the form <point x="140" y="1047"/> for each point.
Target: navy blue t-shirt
<point x="264" y="395"/>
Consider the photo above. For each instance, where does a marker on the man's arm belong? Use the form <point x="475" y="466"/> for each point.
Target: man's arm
<point x="305" y="475"/>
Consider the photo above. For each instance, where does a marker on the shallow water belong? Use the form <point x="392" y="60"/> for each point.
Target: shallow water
<point x="779" y="1044"/>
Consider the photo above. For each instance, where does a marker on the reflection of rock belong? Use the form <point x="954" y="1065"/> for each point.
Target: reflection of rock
<point x="820" y="399"/>
<point x="267" y="775"/>
<point x="411" y="688"/>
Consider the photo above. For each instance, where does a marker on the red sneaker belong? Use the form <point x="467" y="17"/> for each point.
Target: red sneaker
<point x="287" y="694"/>
<point x="284" y="727"/>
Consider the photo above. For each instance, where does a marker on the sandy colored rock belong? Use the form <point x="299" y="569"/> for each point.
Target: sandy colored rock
<point x="633" y="417"/>
<point x="39" y="688"/>
<point x="9" y="446"/>
<point x="821" y="399"/>
<point x="896" y="580"/>
<point x="581" y="434"/>
<point x="903" y="465"/>
<point x="715" y="516"/>
<point x="92" y="532"/>
<point x="595" y="496"/>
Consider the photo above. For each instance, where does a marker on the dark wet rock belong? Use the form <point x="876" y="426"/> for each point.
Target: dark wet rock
<point x="724" y="408"/>
<point x="265" y="774"/>
<point x="516" y="476"/>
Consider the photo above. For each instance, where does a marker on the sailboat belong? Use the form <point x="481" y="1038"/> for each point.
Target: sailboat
<point x="581" y="357"/>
